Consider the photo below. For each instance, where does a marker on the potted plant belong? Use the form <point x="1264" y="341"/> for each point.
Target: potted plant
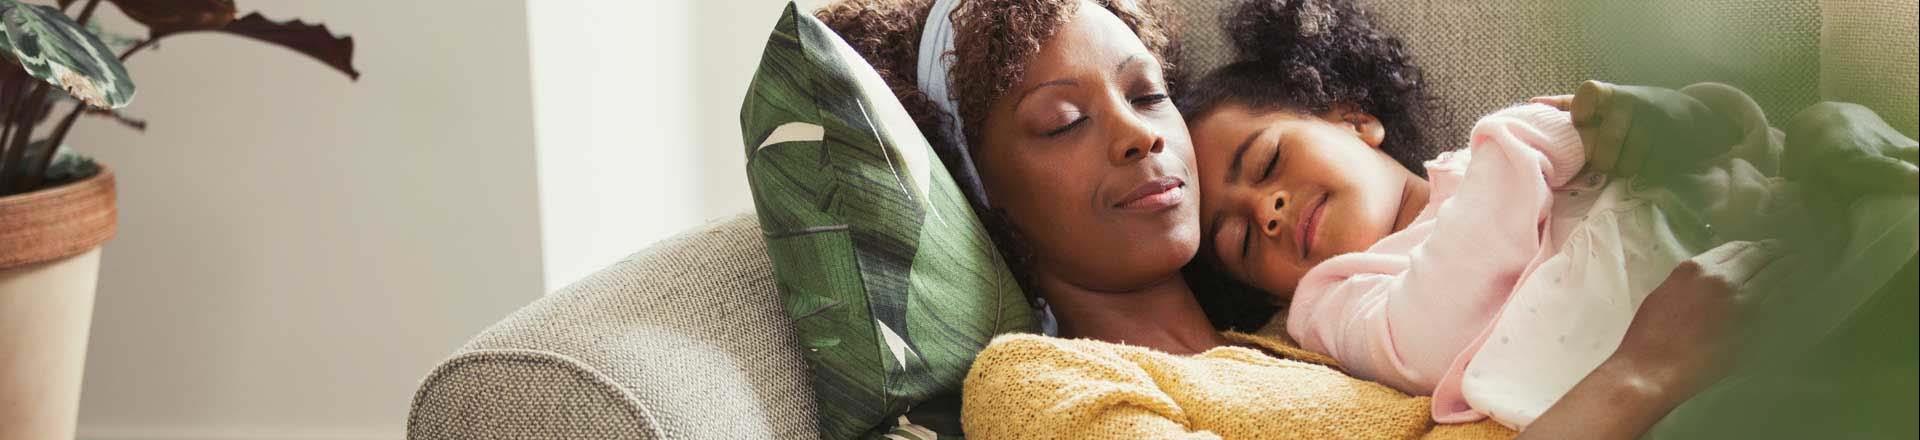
<point x="56" y="207"/>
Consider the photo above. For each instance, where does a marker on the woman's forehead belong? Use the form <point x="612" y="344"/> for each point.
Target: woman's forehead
<point x="1092" y="40"/>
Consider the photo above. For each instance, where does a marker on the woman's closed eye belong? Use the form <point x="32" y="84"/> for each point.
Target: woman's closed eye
<point x="1074" y="121"/>
<point x="1150" y="100"/>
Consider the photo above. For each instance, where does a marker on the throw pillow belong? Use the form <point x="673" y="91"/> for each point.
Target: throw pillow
<point x="890" y="279"/>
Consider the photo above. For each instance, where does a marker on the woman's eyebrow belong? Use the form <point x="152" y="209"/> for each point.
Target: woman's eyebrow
<point x="1240" y="155"/>
<point x="1130" y="61"/>
<point x="1037" y="87"/>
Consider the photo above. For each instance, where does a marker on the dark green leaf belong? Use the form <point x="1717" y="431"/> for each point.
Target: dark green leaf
<point x="313" y="40"/>
<point x="164" y="17"/>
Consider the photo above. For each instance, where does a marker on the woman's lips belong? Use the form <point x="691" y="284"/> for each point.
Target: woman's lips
<point x="1154" y="195"/>
<point x="1308" y="227"/>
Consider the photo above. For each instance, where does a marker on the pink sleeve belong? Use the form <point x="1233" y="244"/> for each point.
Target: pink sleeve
<point x="1402" y="319"/>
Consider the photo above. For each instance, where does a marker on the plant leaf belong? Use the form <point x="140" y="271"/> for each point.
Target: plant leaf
<point x="164" y="17"/>
<point x="314" y="40"/>
<point x="51" y="47"/>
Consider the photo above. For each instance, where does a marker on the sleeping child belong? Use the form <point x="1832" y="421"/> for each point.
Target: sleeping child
<point x="1514" y="267"/>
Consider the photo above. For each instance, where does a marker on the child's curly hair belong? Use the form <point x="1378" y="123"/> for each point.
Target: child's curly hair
<point x="1308" y="55"/>
<point x="1305" y="56"/>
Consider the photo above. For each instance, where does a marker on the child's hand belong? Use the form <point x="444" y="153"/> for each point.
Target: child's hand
<point x="1632" y="130"/>
<point x="1603" y="123"/>
<point x="1562" y="102"/>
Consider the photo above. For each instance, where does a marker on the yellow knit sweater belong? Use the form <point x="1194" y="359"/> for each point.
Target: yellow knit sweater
<point x="1037" y="387"/>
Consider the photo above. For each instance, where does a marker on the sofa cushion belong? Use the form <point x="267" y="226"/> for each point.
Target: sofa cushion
<point x="890" y="279"/>
<point x="1868" y="56"/>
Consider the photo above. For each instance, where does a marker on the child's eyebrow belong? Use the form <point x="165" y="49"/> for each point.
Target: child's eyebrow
<point x="1240" y="155"/>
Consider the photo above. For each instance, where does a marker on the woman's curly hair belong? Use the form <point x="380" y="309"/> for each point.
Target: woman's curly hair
<point x="994" y="38"/>
<point x="1308" y="55"/>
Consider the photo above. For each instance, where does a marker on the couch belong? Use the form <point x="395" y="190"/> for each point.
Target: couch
<point x="687" y="339"/>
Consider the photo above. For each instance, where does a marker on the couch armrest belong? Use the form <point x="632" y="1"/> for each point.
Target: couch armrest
<point x="684" y="340"/>
<point x="521" y="394"/>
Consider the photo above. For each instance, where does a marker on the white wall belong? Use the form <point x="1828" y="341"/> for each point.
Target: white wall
<point x="731" y="36"/>
<point x="617" y="156"/>
<point x="296" y="250"/>
<point x="638" y="120"/>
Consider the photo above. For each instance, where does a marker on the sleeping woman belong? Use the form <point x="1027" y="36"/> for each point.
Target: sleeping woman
<point x="1056" y="117"/>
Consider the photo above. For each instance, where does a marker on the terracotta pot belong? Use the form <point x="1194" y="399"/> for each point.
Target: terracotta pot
<point x="49" y="263"/>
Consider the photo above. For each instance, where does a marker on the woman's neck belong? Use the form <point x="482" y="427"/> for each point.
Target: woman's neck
<point x="1163" y="315"/>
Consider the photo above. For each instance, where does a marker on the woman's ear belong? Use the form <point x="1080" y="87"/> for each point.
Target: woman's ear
<point x="1364" y="125"/>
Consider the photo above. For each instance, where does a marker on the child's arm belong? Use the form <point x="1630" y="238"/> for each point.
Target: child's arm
<point x="1402" y="319"/>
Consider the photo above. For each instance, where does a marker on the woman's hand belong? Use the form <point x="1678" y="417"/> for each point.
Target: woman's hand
<point x="1681" y="339"/>
<point x="1680" y="342"/>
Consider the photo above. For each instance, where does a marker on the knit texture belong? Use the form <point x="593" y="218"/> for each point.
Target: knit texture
<point x="1481" y="55"/>
<point x="684" y="340"/>
<point x="1037" y="387"/>
<point x="1868" y="51"/>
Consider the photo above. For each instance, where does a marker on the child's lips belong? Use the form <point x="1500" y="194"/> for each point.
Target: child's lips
<point x="1307" y="229"/>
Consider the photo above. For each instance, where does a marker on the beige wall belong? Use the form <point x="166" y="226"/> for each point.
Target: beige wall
<point x="297" y="250"/>
<point x="637" y="110"/>
<point x="730" y="35"/>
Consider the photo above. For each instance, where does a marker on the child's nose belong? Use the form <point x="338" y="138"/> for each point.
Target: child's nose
<point x="1269" y="211"/>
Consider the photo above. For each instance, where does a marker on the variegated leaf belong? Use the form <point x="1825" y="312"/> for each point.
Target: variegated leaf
<point x="51" y="47"/>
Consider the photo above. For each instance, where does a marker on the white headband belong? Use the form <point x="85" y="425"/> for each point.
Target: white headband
<point x="933" y="67"/>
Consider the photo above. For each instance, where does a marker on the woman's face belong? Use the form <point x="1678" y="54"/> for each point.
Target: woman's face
<point x="1091" y="161"/>
<point x="1283" y="191"/>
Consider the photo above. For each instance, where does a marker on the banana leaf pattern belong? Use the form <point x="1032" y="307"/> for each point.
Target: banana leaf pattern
<point x="53" y="48"/>
<point x="890" y="279"/>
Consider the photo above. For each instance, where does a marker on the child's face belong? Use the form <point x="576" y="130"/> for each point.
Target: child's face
<point x="1283" y="191"/>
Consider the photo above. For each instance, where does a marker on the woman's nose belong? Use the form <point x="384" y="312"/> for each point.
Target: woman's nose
<point x="1267" y="210"/>
<point x="1136" y="141"/>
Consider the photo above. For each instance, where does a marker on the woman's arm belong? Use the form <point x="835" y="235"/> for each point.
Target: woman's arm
<point x="1678" y="344"/>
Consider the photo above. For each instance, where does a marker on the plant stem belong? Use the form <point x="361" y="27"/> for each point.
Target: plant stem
<point x="143" y="44"/>
<point x="7" y="161"/>
<point x="59" y="136"/>
<point x="7" y="95"/>
<point x="15" y="178"/>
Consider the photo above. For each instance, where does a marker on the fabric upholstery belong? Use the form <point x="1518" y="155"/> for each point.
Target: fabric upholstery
<point x="513" y="394"/>
<point x="1868" y="56"/>
<point x="1481" y="55"/>
<point x="685" y="340"/>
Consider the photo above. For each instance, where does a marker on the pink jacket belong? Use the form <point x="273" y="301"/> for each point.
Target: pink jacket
<point x="1410" y="310"/>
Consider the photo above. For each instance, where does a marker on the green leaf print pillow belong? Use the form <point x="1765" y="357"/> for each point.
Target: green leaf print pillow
<point x="890" y="279"/>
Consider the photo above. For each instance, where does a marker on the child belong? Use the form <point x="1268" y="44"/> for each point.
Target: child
<point x="1515" y="267"/>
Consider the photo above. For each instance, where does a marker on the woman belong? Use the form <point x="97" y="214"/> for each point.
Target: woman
<point x="1059" y="123"/>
